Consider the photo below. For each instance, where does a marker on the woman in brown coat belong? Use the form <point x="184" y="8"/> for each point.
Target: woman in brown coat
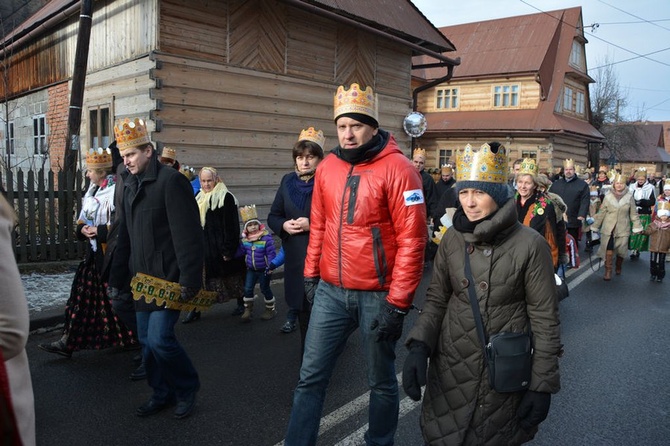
<point x="513" y="276"/>
<point x="613" y="221"/>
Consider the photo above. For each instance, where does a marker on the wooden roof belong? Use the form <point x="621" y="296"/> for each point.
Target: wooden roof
<point x="651" y="147"/>
<point x="399" y="18"/>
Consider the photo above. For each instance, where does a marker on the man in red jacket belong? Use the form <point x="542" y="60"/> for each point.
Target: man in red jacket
<point x="364" y="262"/>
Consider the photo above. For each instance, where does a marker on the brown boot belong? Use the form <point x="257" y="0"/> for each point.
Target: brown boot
<point x="619" y="262"/>
<point x="248" y="309"/>
<point x="609" y="257"/>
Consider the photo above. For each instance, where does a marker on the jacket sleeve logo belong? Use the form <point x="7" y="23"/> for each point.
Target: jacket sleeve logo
<point x="413" y="197"/>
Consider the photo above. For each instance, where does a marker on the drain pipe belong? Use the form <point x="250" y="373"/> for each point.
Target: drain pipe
<point x="431" y="84"/>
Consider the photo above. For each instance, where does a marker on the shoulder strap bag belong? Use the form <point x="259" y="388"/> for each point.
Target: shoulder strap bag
<point x="508" y="355"/>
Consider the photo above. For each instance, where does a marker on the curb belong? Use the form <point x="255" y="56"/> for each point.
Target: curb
<point x="54" y="316"/>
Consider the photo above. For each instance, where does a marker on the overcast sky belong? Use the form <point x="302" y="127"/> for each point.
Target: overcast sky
<point x="626" y="30"/>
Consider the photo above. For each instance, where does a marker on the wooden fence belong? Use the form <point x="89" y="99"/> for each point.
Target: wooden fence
<point x="46" y="215"/>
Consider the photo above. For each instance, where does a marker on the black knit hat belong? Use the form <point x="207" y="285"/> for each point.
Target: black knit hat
<point x="360" y="117"/>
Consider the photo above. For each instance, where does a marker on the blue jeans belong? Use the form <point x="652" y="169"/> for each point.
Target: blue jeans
<point x="336" y="314"/>
<point x="262" y="279"/>
<point x="170" y="371"/>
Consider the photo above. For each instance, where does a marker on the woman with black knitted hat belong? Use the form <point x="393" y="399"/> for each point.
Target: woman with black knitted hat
<point x="511" y="275"/>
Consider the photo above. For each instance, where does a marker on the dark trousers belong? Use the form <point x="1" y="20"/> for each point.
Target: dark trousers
<point x="124" y="307"/>
<point x="657" y="264"/>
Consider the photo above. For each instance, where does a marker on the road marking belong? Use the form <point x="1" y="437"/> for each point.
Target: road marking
<point x="407" y="405"/>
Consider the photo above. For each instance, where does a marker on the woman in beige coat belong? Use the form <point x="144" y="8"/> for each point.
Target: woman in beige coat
<point x="613" y="221"/>
<point x="14" y="327"/>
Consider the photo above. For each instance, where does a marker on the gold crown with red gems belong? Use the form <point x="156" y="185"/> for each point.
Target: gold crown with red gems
<point x="130" y="133"/>
<point x="99" y="158"/>
<point x="482" y="164"/>
<point x="355" y="100"/>
<point x="311" y="134"/>
<point x="447" y="168"/>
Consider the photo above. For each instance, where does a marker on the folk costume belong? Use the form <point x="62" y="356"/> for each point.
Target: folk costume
<point x="538" y="212"/>
<point x="644" y="203"/>
<point x="90" y="321"/>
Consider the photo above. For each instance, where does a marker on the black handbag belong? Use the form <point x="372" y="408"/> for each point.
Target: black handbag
<point x="508" y="355"/>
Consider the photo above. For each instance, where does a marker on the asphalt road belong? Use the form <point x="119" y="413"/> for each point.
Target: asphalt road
<point x="615" y="375"/>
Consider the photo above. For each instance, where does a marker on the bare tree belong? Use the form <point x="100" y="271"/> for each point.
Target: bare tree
<point x="608" y="104"/>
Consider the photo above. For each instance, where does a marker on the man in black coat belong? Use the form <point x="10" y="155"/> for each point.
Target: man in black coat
<point x="575" y="193"/>
<point x="159" y="235"/>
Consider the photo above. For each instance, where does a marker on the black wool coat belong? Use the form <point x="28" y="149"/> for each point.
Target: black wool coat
<point x="295" y="246"/>
<point x="222" y="238"/>
<point x="159" y="231"/>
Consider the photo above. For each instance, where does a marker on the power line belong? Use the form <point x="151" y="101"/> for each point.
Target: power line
<point x="634" y="23"/>
<point x="633" y="58"/>
<point x="633" y="15"/>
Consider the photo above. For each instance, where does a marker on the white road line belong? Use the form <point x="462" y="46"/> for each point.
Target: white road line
<point x="356" y="438"/>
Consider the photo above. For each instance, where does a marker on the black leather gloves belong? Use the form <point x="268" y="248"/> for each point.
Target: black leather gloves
<point x="310" y="288"/>
<point x="112" y="293"/>
<point x="188" y="293"/>
<point x="533" y="409"/>
<point x="415" y="369"/>
<point x="388" y="323"/>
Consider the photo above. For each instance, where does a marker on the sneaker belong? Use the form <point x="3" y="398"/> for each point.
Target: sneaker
<point x="288" y="327"/>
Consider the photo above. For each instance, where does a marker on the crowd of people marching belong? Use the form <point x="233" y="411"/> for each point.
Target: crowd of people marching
<point x="495" y="240"/>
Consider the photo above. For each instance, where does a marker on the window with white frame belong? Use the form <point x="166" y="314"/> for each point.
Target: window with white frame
<point x="447" y="98"/>
<point x="505" y="95"/>
<point x="444" y="156"/>
<point x="577" y="55"/>
<point x="579" y="103"/>
<point x="568" y="95"/>
<point x="10" y="138"/>
<point x="99" y="126"/>
<point x="40" y="135"/>
<point x="532" y="154"/>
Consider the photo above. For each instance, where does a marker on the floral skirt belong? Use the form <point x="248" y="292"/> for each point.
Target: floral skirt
<point x="640" y="242"/>
<point x="90" y="321"/>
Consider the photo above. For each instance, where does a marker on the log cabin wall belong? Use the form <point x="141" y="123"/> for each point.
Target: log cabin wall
<point x="237" y="81"/>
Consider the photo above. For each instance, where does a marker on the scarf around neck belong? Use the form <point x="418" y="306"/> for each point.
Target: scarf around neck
<point x="213" y="200"/>
<point x="300" y="188"/>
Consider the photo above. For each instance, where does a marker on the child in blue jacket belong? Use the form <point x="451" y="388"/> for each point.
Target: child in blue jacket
<point x="259" y="252"/>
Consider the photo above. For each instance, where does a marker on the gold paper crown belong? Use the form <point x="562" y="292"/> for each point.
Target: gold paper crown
<point x="130" y="133"/>
<point x="482" y="164"/>
<point x="641" y="172"/>
<point x="169" y="153"/>
<point x="99" y="159"/>
<point x="355" y="100"/>
<point x="316" y="136"/>
<point x="419" y="151"/>
<point x="187" y="171"/>
<point x="663" y="205"/>
<point x="616" y="177"/>
<point x="568" y="163"/>
<point x="447" y="168"/>
<point x="528" y="167"/>
<point x="248" y="213"/>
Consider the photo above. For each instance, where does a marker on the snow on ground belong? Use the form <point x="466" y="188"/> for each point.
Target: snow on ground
<point x="47" y="291"/>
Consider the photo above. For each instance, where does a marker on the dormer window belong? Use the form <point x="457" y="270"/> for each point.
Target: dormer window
<point x="577" y="55"/>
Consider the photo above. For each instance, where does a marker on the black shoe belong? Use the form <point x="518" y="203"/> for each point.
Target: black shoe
<point x="139" y="374"/>
<point x="191" y="317"/>
<point x="185" y="407"/>
<point x="137" y="359"/>
<point x="652" y="279"/>
<point x="659" y="279"/>
<point x="238" y="311"/>
<point x="152" y="407"/>
<point x="58" y="347"/>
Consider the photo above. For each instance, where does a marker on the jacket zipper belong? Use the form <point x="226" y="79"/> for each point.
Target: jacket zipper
<point x="339" y="241"/>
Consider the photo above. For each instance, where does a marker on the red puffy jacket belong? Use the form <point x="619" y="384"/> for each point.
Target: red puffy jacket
<point x="368" y="224"/>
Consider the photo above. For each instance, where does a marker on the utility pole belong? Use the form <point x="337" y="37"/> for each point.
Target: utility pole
<point x="72" y="143"/>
